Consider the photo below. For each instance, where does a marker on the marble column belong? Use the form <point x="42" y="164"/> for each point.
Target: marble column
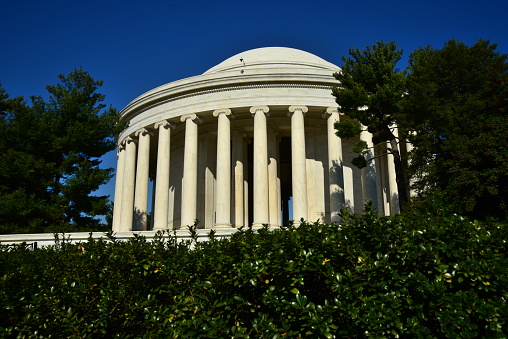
<point x="142" y="172"/>
<point x="190" y="170"/>
<point x="161" y="189"/>
<point x="392" y="179"/>
<point x="310" y="161"/>
<point x="384" y="183"/>
<point x="279" y="186"/>
<point x="349" y="187"/>
<point x="223" y="173"/>
<point x="129" y="181"/>
<point x="298" y="163"/>
<point x="410" y="182"/>
<point x="261" y="211"/>
<point x="273" y="189"/>
<point x="335" y="165"/>
<point x="207" y="180"/>
<point x="117" y="208"/>
<point x="379" y="181"/>
<point x="369" y="184"/>
<point x="238" y="168"/>
<point x="246" y="174"/>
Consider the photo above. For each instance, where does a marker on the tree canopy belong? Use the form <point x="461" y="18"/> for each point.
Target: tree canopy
<point x="50" y="157"/>
<point x="457" y="106"/>
<point x="451" y="104"/>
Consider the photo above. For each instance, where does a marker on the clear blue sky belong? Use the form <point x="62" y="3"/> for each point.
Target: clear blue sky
<point x="135" y="46"/>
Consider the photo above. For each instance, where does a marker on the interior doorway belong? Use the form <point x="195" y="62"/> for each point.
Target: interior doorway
<point x="285" y="176"/>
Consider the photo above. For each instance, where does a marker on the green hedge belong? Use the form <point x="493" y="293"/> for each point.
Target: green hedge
<point x="431" y="276"/>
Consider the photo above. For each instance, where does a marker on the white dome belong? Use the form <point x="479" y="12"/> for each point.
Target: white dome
<point x="272" y="57"/>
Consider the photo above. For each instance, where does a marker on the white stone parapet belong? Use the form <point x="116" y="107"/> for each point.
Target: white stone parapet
<point x="37" y="240"/>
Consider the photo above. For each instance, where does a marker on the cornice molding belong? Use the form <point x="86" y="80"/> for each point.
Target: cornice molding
<point x="148" y="103"/>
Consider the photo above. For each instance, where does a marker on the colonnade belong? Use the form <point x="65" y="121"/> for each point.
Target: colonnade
<point x="131" y="191"/>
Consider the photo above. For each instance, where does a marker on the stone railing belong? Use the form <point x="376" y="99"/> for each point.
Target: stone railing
<point x="47" y="239"/>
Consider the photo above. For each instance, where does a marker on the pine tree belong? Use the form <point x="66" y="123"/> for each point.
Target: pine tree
<point x="371" y="93"/>
<point x="50" y="162"/>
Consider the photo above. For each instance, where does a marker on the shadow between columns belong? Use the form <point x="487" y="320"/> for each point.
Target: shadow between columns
<point x="336" y="176"/>
<point x="142" y="221"/>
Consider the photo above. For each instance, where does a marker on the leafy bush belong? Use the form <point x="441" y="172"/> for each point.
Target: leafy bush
<point x="431" y="276"/>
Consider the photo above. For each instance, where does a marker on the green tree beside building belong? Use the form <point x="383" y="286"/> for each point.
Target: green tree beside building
<point x="371" y="93"/>
<point x="50" y="157"/>
<point x="457" y="106"/>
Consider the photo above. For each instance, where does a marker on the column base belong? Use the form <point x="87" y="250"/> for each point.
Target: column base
<point x="260" y="224"/>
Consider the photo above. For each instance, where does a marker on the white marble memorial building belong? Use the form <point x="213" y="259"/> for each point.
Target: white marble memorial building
<point x="233" y="146"/>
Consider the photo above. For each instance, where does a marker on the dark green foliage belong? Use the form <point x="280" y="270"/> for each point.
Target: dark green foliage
<point x="347" y="129"/>
<point x="50" y="157"/>
<point x="370" y="92"/>
<point x="457" y="103"/>
<point x="413" y="276"/>
<point x="371" y="86"/>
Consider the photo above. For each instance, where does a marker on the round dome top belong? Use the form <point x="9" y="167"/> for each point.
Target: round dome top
<point x="272" y="57"/>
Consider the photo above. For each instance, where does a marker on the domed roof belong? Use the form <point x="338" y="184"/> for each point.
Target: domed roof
<point x="272" y="57"/>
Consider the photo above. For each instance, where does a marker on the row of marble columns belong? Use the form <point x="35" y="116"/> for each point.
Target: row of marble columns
<point x="131" y="192"/>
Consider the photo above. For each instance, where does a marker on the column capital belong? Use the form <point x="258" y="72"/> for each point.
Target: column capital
<point x="302" y="108"/>
<point x="123" y="142"/>
<point x="331" y="111"/>
<point x="254" y="109"/>
<point x="164" y="123"/>
<point x="142" y="131"/>
<point x="128" y="140"/>
<point x="226" y="111"/>
<point x="192" y="116"/>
